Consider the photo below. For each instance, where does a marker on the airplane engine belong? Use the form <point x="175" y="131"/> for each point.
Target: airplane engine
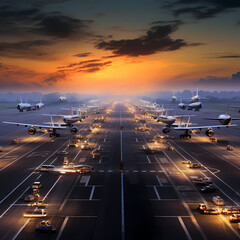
<point x="166" y="130"/>
<point x="74" y="130"/>
<point x="31" y="130"/>
<point x="209" y="132"/>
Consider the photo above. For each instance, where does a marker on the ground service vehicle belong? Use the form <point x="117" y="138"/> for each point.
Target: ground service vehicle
<point x="218" y="200"/>
<point x="234" y="218"/>
<point x="213" y="211"/>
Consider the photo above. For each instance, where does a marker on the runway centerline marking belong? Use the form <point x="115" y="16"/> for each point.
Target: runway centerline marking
<point x="122" y="189"/>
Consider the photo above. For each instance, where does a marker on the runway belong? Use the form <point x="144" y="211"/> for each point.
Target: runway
<point x="152" y="197"/>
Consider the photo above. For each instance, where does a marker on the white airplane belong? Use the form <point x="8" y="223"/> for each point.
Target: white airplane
<point x="225" y="118"/>
<point x="195" y="105"/>
<point x="70" y="168"/>
<point x="146" y="105"/>
<point x="63" y="98"/>
<point x="174" y="98"/>
<point x="182" y="105"/>
<point x="70" y="118"/>
<point x="157" y="111"/>
<point x="169" y="120"/>
<point x="195" y="98"/>
<point x="52" y="127"/>
<point x="39" y="105"/>
<point x="24" y="106"/>
<point x="187" y="129"/>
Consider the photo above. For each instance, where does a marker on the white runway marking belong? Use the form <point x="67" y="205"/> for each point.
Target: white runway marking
<point x="149" y="159"/>
<point x="25" y="224"/>
<point x="184" y="228"/>
<point x="92" y="192"/>
<point x="157" y="194"/>
<point x="82" y="160"/>
<point x="62" y="228"/>
<point x="159" y="182"/>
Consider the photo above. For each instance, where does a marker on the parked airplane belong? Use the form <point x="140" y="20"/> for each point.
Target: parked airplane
<point x="63" y="98"/>
<point x="195" y="105"/>
<point x="169" y="120"/>
<point x="182" y="105"/>
<point x="70" y="118"/>
<point x="195" y="98"/>
<point x="187" y="129"/>
<point x="52" y="127"/>
<point x="39" y="105"/>
<point x="225" y="118"/>
<point x="174" y="98"/>
<point x="24" y="106"/>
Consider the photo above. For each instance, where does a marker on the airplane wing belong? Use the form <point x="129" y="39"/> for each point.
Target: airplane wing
<point x="204" y="127"/>
<point x="54" y="115"/>
<point x="36" y="125"/>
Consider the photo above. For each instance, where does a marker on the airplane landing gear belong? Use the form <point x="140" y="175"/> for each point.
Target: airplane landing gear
<point x="54" y="134"/>
<point x="185" y="135"/>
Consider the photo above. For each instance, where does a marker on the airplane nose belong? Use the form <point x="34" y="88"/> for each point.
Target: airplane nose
<point x="18" y="107"/>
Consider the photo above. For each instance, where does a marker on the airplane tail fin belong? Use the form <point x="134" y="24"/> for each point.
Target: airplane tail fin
<point x="188" y="121"/>
<point x="227" y="110"/>
<point x="52" y="123"/>
<point x="21" y="99"/>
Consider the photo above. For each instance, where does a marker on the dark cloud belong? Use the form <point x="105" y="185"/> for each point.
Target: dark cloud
<point x="82" y="54"/>
<point x="229" y="56"/>
<point x="65" y="72"/>
<point x="71" y="65"/>
<point x="94" y="65"/>
<point x="90" y="70"/>
<point x="25" y="49"/>
<point x="157" y="39"/>
<point x="33" y="21"/>
<point x="60" y="26"/>
<point x="200" y="9"/>
<point x="55" y="77"/>
<point x="223" y="55"/>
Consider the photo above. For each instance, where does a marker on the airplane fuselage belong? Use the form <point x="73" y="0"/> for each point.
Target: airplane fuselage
<point x="166" y="119"/>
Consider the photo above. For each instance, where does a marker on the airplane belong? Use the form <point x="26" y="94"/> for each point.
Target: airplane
<point x="52" y="127"/>
<point x="157" y="111"/>
<point x="146" y="105"/>
<point x="63" y="98"/>
<point x="70" y="118"/>
<point x="195" y="98"/>
<point x="70" y="168"/>
<point x="195" y="105"/>
<point x="182" y="105"/>
<point x="225" y="118"/>
<point x="174" y="98"/>
<point x="24" y="106"/>
<point x="39" y="105"/>
<point x="187" y="128"/>
<point x="169" y="120"/>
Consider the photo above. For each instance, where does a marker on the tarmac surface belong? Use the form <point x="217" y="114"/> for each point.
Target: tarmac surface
<point x="150" y="197"/>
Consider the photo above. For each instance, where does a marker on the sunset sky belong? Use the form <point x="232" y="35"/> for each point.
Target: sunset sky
<point x="129" y="47"/>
